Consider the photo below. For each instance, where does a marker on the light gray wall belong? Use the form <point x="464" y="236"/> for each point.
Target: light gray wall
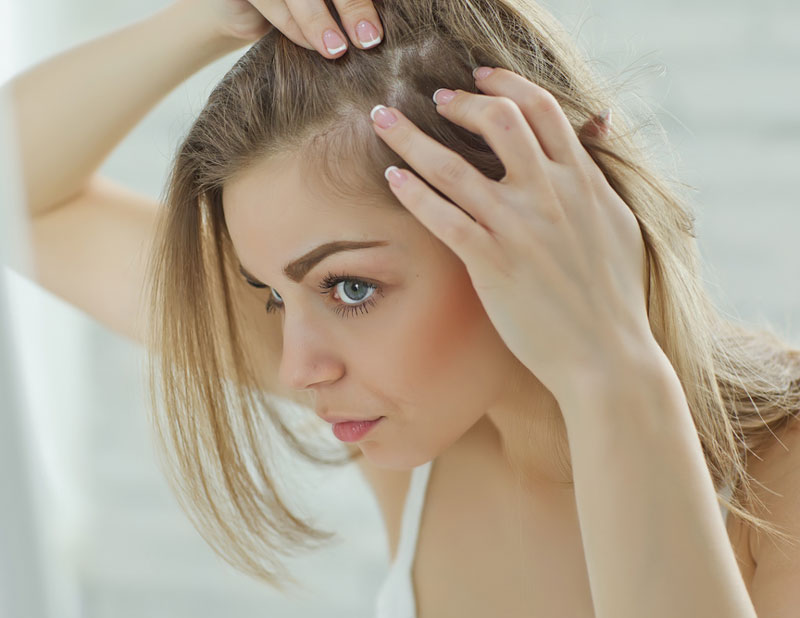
<point x="723" y="80"/>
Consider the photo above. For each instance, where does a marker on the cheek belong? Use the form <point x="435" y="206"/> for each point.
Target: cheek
<point x="445" y="346"/>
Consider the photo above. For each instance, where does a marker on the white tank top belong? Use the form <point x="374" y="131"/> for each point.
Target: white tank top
<point x="726" y="492"/>
<point x="396" y="597"/>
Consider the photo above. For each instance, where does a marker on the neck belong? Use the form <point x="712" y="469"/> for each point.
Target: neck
<point x="527" y="430"/>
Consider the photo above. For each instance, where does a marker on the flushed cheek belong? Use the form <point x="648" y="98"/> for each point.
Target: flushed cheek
<point x="445" y="350"/>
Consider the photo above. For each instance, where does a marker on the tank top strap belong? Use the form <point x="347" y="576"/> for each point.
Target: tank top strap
<point x="396" y="598"/>
<point x="412" y="514"/>
<point x="725" y="492"/>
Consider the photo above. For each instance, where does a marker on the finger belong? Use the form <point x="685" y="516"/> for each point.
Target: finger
<point x="361" y="21"/>
<point x="542" y="111"/>
<point x="501" y="124"/>
<point x="278" y="14"/>
<point x="444" y="169"/>
<point x="598" y="126"/>
<point x="467" y="238"/>
<point x="318" y="26"/>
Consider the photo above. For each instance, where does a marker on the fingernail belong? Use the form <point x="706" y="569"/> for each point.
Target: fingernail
<point x="442" y="96"/>
<point x="382" y="116"/>
<point x="394" y="176"/>
<point x="605" y="116"/>
<point x="333" y="42"/>
<point x="481" y="72"/>
<point x="367" y="34"/>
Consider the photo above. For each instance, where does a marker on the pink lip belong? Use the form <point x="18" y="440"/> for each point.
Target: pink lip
<point x="354" y="431"/>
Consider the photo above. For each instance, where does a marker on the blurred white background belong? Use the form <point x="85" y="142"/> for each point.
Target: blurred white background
<point x="724" y="80"/>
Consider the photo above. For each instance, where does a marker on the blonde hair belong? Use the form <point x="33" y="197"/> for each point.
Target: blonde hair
<point x="211" y="419"/>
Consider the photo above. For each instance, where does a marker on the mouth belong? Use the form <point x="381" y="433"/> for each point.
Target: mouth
<point x="333" y="420"/>
<point x="354" y="431"/>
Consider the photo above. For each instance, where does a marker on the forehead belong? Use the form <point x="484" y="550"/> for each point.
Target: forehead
<point x="281" y="193"/>
<point x="277" y="203"/>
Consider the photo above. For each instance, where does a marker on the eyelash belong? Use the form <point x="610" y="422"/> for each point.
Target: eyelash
<point x="329" y="282"/>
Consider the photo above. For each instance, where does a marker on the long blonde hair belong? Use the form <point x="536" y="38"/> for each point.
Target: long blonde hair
<point x="216" y="427"/>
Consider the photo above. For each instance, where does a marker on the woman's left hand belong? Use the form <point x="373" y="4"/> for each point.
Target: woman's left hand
<point x="554" y="254"/>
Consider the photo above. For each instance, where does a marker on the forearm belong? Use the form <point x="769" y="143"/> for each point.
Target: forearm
<point x="654" y="539"/>
<point x="73" y="109"/>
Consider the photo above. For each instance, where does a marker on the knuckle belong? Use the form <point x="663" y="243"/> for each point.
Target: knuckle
<point x="450" y="172"/>
<point x="455" y="233"/>
<point x="591" y="175"/>
<point x="500" y="111"/>
<point x="354" y="7"/>
<point x="403" y="141"/>
<point x="291" y="28"/>
<point x="595" y="175"/>
<point x="543" y="101"/>
<point x="579" y="178"/>
<point x="317" y="18"/>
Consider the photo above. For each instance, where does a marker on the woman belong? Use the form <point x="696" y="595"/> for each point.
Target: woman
<point x="577" y="413"/>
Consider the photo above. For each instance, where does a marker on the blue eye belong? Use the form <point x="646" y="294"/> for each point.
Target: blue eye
<point x="354" y="289"/>
<point x="355" y="294"/>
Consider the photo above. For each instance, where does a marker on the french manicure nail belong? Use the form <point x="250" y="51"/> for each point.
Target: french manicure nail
<point x="382" y="116"/>
<point x="367" y="34"/>
<point x="481" y="72"/>
<point x="333" y="42"/>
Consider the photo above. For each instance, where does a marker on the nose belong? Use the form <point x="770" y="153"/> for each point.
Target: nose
<point x="308" y="356"/>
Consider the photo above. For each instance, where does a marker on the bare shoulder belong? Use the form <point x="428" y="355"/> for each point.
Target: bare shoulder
<point x="776" y="471"/>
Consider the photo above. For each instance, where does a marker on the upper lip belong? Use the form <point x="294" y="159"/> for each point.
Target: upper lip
<point x="331" y="419"/>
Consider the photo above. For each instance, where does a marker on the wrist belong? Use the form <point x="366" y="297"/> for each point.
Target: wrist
<point x="204" y="27"/>
<point x="626" y="373"/>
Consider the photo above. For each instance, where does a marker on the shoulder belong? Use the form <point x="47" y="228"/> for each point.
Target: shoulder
<point x="776" y="472"/>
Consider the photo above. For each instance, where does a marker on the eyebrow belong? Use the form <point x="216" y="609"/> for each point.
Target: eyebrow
<point x="299" y="268"/>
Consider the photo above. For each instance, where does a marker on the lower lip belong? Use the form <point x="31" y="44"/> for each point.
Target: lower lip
<point x="354" y="430"/>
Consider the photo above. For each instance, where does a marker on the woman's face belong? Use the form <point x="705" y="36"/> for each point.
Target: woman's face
<point x="419" y="349"/>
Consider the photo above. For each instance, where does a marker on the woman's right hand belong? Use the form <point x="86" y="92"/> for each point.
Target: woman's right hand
<point x="306" y="22"/>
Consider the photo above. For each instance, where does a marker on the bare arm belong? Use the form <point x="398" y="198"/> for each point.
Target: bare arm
<point x="89" y="235"/>
<point x="73" y="109"/>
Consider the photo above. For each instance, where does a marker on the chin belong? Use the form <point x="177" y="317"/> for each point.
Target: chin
<point x="379" y="458"/>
